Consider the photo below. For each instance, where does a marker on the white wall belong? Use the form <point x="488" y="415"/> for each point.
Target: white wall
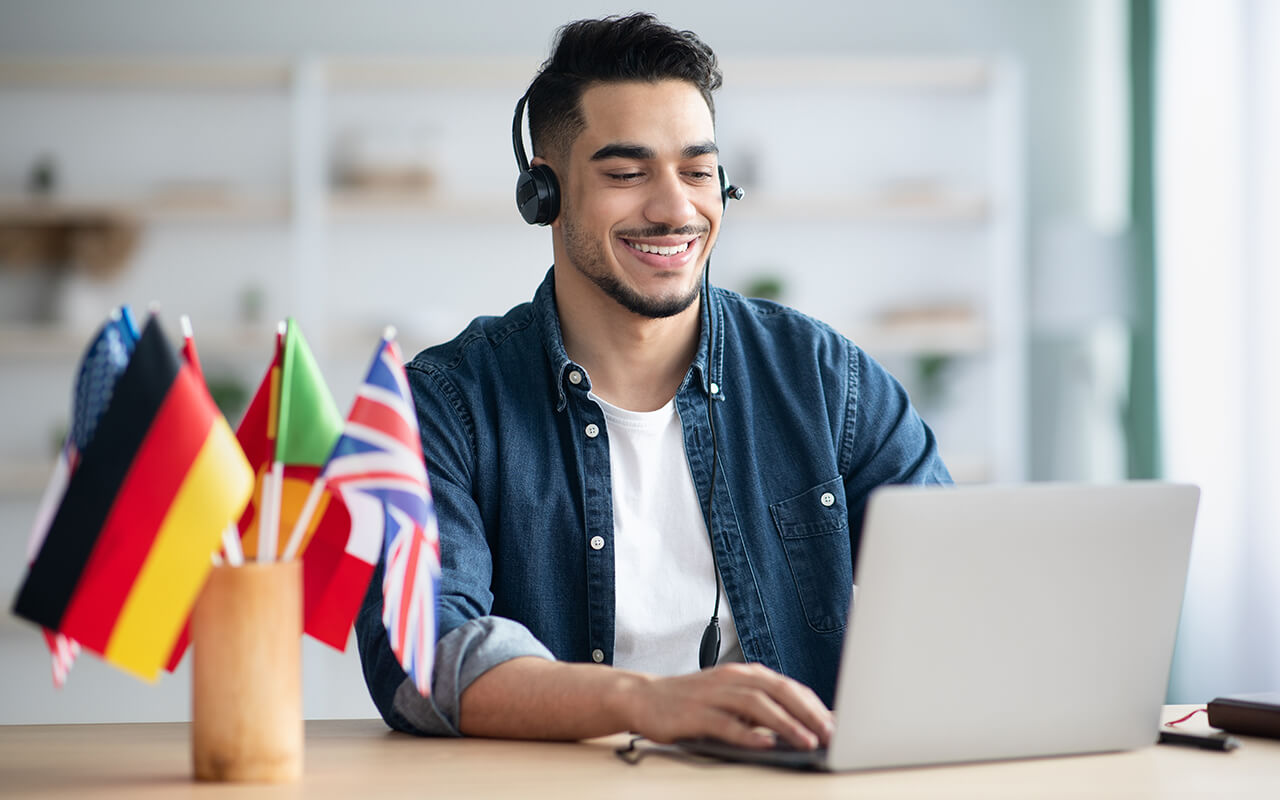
<point x="1051" y="39"/>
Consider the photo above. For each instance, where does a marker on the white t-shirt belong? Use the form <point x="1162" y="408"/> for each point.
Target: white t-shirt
<point x="664" y="575"/>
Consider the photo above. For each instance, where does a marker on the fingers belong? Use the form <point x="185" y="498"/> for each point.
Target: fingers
<point x="738" y="703"/>
<point x="761" y="696"/>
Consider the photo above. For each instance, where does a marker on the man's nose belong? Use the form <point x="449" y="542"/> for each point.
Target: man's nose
<point x="670" y="201"/>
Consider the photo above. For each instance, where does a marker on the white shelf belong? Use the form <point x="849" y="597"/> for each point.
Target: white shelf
<point x="165" y="206"/>
<point x="41" y="341"/>
<point x="245" y="343"/>
<point x="956" y="207"/>
<point x="347" y="73"/>
<point x="378" y="204"/>
<point x="968" y="74"/>
<point x="419" y="72"/>
<point x="952" y="207"/>
<point x="173" y="73"/>
<point x="948" y="337"/>
<point x="228" y="208"/>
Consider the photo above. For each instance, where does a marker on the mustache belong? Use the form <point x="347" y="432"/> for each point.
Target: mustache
<point x="665" y="230"/>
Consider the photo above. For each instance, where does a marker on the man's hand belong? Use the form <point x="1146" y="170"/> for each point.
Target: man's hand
<point x="530" y="698"/>
<point x="737" y="703"/>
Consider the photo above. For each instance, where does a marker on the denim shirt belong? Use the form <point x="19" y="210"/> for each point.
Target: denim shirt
<point x="806" y="426"/>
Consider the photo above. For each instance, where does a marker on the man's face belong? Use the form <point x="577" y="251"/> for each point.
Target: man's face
<point x="641" y="204"/>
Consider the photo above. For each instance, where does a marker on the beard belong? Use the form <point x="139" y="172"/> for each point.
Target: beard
<point x="588" y="256"/>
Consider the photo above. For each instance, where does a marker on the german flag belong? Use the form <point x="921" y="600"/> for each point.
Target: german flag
<point x="130" y="545"/>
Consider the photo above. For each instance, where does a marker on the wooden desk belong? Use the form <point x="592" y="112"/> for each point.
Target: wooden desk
<point x="361" y="758"/>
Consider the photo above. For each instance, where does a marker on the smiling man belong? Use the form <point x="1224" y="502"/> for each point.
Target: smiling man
<point x="637" y="474"/>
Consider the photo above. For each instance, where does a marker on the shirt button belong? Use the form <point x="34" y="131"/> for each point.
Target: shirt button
<point x="715" y="388"/>
<point x="597" y="542"/>
<point x="575" y="377"/>
<point x="597" y="655"/>
<point x="593" y="430"/>
<point x="828" y="499"/>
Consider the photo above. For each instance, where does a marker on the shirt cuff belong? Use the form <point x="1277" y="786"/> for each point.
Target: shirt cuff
<point x="462" y="655"/>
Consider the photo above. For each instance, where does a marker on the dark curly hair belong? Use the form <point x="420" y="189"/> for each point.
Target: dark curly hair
<point x="632" y="48"/>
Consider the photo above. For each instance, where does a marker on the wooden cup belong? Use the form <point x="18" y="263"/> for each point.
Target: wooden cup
<point x="246" y="685"/>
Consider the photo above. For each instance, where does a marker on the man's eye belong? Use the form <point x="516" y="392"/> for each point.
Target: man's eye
<point x="699" y="175"/>
<point x="626" y="176"/>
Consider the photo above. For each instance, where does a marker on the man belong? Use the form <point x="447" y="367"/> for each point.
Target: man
<point x="576" y="468"/>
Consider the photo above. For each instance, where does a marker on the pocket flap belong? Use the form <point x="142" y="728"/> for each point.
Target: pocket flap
<point x="817" y="511"/>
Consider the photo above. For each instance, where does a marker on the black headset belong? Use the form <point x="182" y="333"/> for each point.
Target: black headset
<point x="538" y="191"/>
<point x="538" y="200"/>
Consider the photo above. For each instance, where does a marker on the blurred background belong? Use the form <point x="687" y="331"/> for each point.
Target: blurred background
<point x="1055" y="222"/>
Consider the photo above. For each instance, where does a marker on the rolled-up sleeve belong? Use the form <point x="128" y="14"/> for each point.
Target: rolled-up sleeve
<point x="469" y="641"/>
<point x="462" y="655"/>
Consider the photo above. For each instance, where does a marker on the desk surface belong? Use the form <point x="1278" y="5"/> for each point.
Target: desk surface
<point x="358" y="758"/>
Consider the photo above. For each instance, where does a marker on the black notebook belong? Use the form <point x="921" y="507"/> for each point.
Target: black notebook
<point x="1248" y="714"/>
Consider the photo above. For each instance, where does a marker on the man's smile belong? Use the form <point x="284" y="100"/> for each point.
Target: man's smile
<point x="662" y="250"/>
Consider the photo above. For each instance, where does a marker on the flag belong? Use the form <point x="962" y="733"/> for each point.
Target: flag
<point x="377" y="468"/>
<point x="309" y="422"/>
<point x="189" y="353"/>
<point x="130" y="544"/>
<point x="289" y="429"/>
<point x="102" y="365"/>
<point x="257" y="437"/>
<point x="191" y="357"/>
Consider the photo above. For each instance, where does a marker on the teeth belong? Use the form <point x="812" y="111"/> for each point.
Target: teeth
<point x="662" y="251"/>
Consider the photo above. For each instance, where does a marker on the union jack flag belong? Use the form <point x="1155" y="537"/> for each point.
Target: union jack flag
<point x="380" y="454"/>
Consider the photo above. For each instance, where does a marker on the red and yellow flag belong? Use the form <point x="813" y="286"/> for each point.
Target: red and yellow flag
<point x="130" y="545"/>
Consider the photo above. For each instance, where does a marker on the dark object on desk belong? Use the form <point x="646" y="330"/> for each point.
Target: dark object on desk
<point x="1249" y="714"/>
<point x="780" y="755"/>
<point x="1212" y="741"/>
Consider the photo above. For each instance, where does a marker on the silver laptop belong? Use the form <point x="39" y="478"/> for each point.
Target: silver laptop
<point x="998" y="622"/>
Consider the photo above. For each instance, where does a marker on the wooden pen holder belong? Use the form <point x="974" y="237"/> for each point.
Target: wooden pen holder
<point x="246" y="685"/>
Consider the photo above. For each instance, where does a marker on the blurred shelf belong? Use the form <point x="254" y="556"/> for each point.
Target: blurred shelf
<point x="942" y="337"/>
<point x="412" y="204"/>
<point x="41" y="340"/>
<point x="247" y="344"/>
<point x="351" y="204"/>
<point x="161" y="207"/>
<point x="419" y="72"/>
<point x="941" y="207"/>
<point x="159" y="73"/>
<point x="214" y="208"/>
<point x="958" y="73"/>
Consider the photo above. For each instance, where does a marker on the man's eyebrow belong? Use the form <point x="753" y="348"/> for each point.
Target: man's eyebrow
<point x="638" y="152"/>
<point x="703" y="149"/>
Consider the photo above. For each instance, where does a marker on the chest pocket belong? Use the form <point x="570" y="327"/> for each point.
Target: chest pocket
<point x="814" y="527"/>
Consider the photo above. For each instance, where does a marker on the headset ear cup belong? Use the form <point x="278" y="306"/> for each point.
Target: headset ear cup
<point x="538" y="195"/>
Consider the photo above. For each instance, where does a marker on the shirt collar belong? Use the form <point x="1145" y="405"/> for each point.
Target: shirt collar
<point x="544" y="305"/>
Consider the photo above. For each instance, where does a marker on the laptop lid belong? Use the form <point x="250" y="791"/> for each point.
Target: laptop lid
<point x="995" y="622"/>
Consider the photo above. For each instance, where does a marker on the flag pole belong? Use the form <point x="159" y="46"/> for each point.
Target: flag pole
<point x="189" y="347"/>
<point x="231" y="545"/>
<point x="304" y="519"/>
<point x="273" y="492"/>
<point x="272" y="486"/>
